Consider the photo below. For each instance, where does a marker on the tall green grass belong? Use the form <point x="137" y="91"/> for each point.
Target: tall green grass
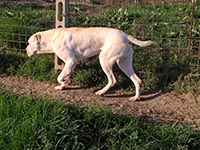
<point x="28" y="122"/>
<point x="17" y="63"/>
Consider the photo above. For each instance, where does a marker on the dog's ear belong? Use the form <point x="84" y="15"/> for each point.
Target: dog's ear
<point x="38" y="37"/>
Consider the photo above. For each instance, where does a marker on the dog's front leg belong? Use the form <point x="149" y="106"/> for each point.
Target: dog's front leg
<point x="63" y="79"/>
<point x="64" y="76"/>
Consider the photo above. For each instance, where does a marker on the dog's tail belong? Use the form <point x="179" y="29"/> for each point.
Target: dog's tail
<point x="138" y="42"/>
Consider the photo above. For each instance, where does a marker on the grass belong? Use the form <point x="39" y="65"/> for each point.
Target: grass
<point x="28" y="122"/>
<point x="17" y="63"/>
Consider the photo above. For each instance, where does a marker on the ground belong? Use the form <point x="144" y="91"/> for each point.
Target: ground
<point x="161" y="106"/>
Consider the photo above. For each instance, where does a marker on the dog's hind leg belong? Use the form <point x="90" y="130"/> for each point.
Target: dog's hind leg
<point x="107" y="65"/>
<point x="125" y="64"/>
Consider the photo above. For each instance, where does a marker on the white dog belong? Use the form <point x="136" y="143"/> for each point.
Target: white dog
<point x="74" y="44"/>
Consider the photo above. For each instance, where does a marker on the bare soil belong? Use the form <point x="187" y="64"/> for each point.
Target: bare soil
<point x="161" y="106"/>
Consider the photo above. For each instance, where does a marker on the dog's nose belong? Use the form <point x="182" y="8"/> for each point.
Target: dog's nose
<point x="26" y="49"/>
<point x="27" y="52"/>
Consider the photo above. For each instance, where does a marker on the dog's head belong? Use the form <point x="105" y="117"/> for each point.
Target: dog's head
<point x="34" y="45"/>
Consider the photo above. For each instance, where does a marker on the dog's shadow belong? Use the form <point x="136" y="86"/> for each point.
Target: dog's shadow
<point x="151" y="95"/>
<point x="73" y="88"/>
<point x="145" y="96"/>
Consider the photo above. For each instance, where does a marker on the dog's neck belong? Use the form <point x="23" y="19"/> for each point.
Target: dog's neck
<point x="46" y="45"/>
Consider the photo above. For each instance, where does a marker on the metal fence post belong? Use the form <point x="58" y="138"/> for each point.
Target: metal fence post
<point x="62" y="20"/>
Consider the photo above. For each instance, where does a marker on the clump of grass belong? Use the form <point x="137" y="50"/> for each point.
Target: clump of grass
<point x="17" y="63"/>
<point x="10" y="61"/>
<point x="39" y="67"/>
<point x="86" y="77"/>
<point x="189" y="83"/>
<point x="27" y="122"/>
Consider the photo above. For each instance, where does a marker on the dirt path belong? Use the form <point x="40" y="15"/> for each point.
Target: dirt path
<point x="168" y="107"/>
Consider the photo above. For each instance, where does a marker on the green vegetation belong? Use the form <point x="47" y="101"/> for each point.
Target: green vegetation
<point x="17" y="63"/>
<point x="28" y="122"/>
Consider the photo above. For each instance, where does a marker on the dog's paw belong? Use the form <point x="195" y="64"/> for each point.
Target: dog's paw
<point x="134" y="98"/>
<point x="58" y="87"/>
<point x="99" y="93"/>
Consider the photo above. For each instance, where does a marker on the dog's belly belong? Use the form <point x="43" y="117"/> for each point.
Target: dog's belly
<point x="86" y="53"/>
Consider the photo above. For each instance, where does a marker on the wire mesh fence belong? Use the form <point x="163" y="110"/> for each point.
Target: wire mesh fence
<point x="20" y="19"/>
<point x="174" y="25"/>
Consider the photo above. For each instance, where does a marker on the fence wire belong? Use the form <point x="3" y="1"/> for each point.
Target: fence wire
<point x="174" y="25"/>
